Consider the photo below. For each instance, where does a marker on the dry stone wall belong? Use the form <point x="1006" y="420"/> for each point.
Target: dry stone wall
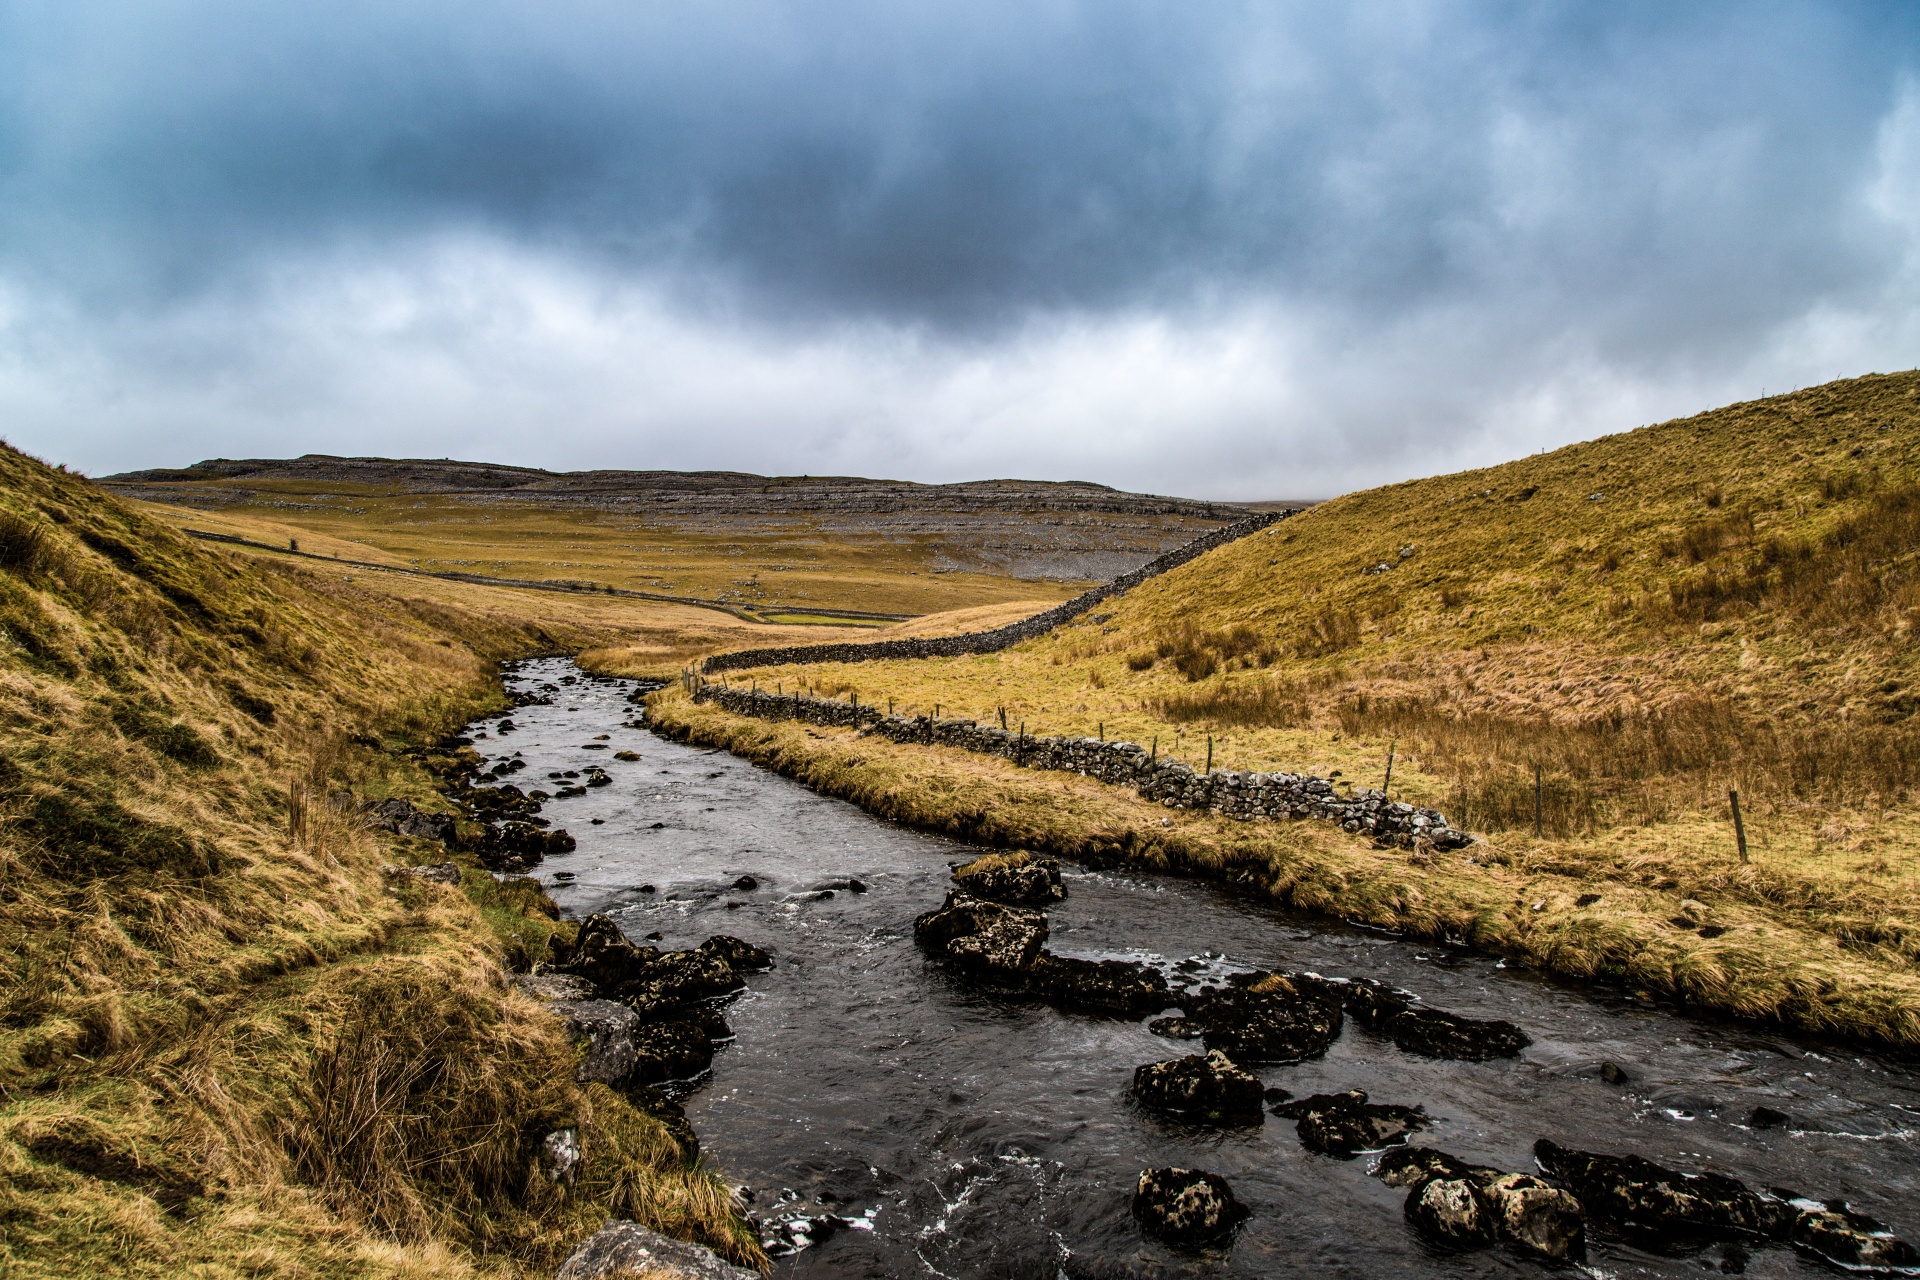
<point x="1001" y="637"/>
<point x="1246" y="796"/>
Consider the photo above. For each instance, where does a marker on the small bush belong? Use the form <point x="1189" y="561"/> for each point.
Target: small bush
<point x="1140" y="661"/>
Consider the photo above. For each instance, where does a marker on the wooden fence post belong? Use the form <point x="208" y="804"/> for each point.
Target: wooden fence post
<point x="1389" y="778"/>
<point x="1209" y="753"/>
<point x="1739" y="827"/>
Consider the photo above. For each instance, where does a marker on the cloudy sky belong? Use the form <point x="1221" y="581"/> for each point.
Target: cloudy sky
<point x="1221" y="249"/>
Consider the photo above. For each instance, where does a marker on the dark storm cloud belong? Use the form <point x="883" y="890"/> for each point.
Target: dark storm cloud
<point x="1648" y="187"/>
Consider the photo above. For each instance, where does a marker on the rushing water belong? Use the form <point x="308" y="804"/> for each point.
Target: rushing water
<point x="984" y="1138"/>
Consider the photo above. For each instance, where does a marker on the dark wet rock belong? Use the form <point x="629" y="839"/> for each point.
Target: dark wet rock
<point x="1640" y="1198"/>
<point x="627" y="756"/>
<point x="1613" y="1073"/>
<point x="679" y="977"/>
<point x="399" y="816"/>
<point x="602" y="955"/>
<point x="677" y="1050"/>
<point x="609" y="1032"/>
<point x="743" y="957"/>
<point x="1346" y="1124"/>
<point x="1448" y="1212"/>
<point x="1187" y="1208"/>
<point x="1267" y="1020"/>
<point x="1767" y="1118"/>
<point x="1176" y="1028"/>
<point x="1853" y="1242"/>
<point x="1199" y="1089"/>
<point x="983" y="938"/>
<point x="650" y="1101"/>
<point x="1539" y="1218"/>
<point x="746" y="884"/>
<point x="1404" y="1166"/>
<point x="1017" y="878"/>
<point x="1434" y="1034"/>
<point x="1374" y="1005"/>
<point x="1119" y="987"/>
<point x="625" y="1249"/>
<point x="515" y="846"/>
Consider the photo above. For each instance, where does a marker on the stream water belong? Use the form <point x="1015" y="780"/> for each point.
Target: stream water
<point x="975" y="1137"/>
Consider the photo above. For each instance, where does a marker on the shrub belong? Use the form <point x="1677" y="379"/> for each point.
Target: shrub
<point x="23" y="543"/>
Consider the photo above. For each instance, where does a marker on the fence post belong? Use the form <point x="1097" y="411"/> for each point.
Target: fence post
<point x="1537" y="831"/>
<point x="1389" y="778"/>
<point x="1003" y="719"/>
<point x="1209" y="753"/>
<point x="1103" y="731"/>
<point x="1739" y="827"/>
<point x="1154" y="755"/>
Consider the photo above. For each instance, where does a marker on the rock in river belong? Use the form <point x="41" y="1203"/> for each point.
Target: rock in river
<point x="1186" y="1207"/>
<point x="1640" y="1198"/>
<point x="1434" y="1034"/>
<point x="1853" y="1242"/>
<point x="1122" y="988"/>
<point x="1017" y="878"/>
<point x="1266" y="1018"/>
<point x="677" y="1050"/>
<point x="1199" y="1089"/>
<point x="1461" y="1206"/>
<point x="744" y="957"/>
<point x="983" y="938"/>
<point x="1346" y="1124"/>
<point x="602" y="955"/>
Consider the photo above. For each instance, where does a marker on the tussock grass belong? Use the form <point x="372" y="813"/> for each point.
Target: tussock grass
<point x="228" y="1047"/>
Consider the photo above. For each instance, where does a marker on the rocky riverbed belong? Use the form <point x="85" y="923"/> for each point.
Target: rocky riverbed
<point x="895" y="1110"/>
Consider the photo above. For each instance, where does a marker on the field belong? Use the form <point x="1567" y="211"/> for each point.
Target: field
<point x="1651" y="621"/>
<point x="790" y="550"/>
<point x="230" y="1045"/>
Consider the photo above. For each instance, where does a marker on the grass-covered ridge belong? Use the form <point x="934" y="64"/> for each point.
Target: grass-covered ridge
<point x="1650" y="620"/>
<point x="229" y="1045"/>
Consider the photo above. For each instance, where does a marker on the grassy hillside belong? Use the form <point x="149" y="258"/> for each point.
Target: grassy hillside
<point x="229" y="1045"/>
<point x="1651" y="619"/>
<point x="793" y="547"/>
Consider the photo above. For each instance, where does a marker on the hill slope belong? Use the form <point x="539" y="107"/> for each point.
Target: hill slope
<point x="229" y="1044"/>
<point x="794" y="542"/>
<point x="1650" y="619"/>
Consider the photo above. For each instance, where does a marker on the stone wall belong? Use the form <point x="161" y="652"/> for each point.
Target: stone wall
<point x="1001" y="637"/>
<point x="1242" y="795"/>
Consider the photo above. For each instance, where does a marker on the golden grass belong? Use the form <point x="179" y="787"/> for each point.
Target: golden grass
<point x="1651" y="620"/>
<point x="785" y="565"/>
<point x="228" y="1047"/>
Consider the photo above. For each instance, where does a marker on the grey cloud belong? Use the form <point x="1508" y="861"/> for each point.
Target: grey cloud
<point x="1463" y="203"/>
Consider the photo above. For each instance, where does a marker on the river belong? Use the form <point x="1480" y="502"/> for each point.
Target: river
<point x="977" y="1137"/>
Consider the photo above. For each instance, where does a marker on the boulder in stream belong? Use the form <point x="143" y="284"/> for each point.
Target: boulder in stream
<point x="1449" y="1212"/>
<point x="601" y="954"/>
<point x="1199" y="1089"/>
<point x="1434" y="1034"/>
<point x="1457" y="1205"/>
<point x="1266" y="1018"/>
<point x="983" y="938"/>
<point x="1016" y="878"/>
<point x="1123" y="988"/>
<point x="1346" y="1124"/>
<point x="676" y="1050"/>
<point x="678" y="978"/>
<point x="1853" y="1242"/>
<point x="1674" y="1210"/>
<point x="1186" y="1208"/>
<point x="744" y="957"/>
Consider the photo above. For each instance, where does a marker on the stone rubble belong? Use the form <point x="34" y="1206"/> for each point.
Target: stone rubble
<point x="1245" y="796"/>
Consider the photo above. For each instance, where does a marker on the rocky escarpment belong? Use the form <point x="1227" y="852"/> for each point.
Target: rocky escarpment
<point x="1000" y="637"/>
<point x="1243" y="795"/>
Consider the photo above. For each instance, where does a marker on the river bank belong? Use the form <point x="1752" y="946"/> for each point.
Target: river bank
<point x="1756" y="961"/>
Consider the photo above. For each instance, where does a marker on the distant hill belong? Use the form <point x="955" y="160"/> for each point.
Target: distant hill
<point x="1026" y="529"/>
